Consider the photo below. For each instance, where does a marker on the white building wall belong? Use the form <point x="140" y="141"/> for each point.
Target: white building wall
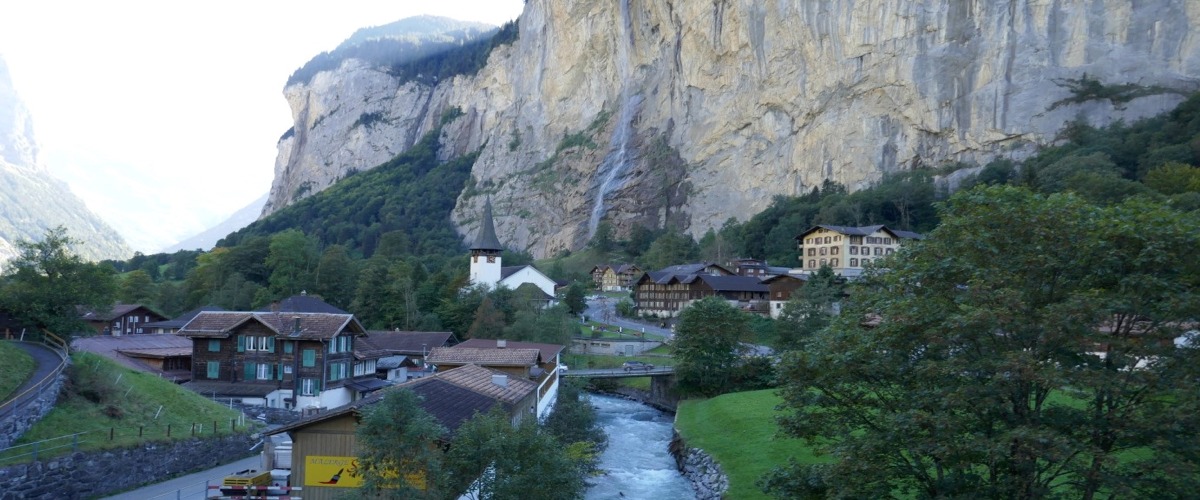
<point x="529" y="274"/>
<point x="484" y="272"/>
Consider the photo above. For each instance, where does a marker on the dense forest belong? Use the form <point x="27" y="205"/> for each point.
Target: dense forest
<point x="380" y="243"/>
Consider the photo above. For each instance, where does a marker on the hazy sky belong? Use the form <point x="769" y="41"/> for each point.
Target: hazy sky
<point x="163" y="116"/>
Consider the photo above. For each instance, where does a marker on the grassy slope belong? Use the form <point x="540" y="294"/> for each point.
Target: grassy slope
<point x="103" y="397"/>
<point x="738" y="430"/>
<point x="15" y="368"/>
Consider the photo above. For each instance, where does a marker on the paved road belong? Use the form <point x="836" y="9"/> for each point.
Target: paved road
<point x="192" y="486"/>
<point x="45" y="360"/>
<point x="604" y="311"/>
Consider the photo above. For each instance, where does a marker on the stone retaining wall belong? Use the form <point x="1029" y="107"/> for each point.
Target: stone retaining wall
<point x="100" y="473"/>
<point x="708" y="480"/>
<point x="16" y="423"/>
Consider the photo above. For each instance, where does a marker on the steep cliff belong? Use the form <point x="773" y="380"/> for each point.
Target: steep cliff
<point x="688" y="113"/>
<point x="31" y="200"/>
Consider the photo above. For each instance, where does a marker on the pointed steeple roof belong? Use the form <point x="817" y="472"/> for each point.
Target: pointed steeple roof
<point x="486" y="239"/>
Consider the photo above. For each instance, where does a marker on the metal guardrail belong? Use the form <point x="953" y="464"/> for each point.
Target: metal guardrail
<point x="56" y="344"/>
<point x="42" y="447"/>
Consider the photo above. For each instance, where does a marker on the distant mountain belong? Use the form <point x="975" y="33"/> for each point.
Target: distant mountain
<point x="31" y="200"/>
<point x="209" y="238"/>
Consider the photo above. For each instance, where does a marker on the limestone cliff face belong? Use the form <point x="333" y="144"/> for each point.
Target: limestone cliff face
<point x="687" y="113"/>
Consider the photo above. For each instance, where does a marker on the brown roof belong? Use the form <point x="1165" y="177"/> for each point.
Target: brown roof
<point x="547" y="351"/>
<point x="486" y="357"/>
<point x="479" y="379"/>
<point x="312" y="326"/>
<point x="395" y="342"/>
<point x="452" y="397"/>
<point x="116" y="347"/>
<point x="117" y="311"/>
<point x="165" y="352"/>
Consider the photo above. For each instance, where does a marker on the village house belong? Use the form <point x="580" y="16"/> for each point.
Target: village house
<point x="667" y="292"/>
<point x="848" y="250"/>
<point x="402" y="354"/>
<point x="780" y="289"/>
<point x="325" y="445"/>
<point x="615" y="277"/>
<point x="521" y="360"/>
<point x="121" y="319"/>
<point x="167" y="356"/>
<point x="297" y="360"/>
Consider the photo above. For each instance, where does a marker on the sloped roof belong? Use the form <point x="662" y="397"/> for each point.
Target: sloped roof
<point x="482" y="356"/>
<point x="781" y="277"/>
<point x="178" y="321"/>
<point x="479" y="379"/>
<point x="486" y="239"/>
<point x="729" y="283"/>
<point x="117" y="311"/>
<point x="304" y="303"/>
<point x="313" y="326"/>
<point x="547" y="351"/>
<point x="402" y="342"/>
<point x="158" y="353"/>
<point x="125" y="349"/>
<point x="452" y="397"/>
<point x="862" y="231"/>
<point x="693" y="268"/>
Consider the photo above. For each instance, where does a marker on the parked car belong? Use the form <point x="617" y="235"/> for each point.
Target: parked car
<point x="563" y="368"/>
<point x="636" y="365"/>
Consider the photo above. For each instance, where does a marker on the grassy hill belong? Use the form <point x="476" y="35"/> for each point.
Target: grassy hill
<point x="15" y="367"/>
<point x="738" y="430"/>
<point x="110" y="406"/>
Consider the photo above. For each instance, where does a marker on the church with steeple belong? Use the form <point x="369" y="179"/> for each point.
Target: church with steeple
<point x="488" y="270"/>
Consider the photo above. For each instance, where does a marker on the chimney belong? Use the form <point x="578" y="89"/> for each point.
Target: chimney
<point x="500" y="379"/>
<point x="501" y="343"/>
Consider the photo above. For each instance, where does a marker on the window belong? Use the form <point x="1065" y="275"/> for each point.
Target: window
<point x="833" y="251"/>
<point x="310" y="358"/>
<point x="853" y="262"/>
<point x="856" y="240"/>
<point x="828" y="240"/>
<point x="337" y="371"/>
<point x="890" y="251"/>
<point x="309" y="387"/>
<point x="824" y="250"/>
<point x="288" y="347"/>
<point x="823" y="262"/>
<point x="214" y="369"/>
<point x="878" y="251"/>
<point x="833" y="262"/>
<point x="812" y="252"/>
<point x="812" y="263"/>
<point x="214" y="345"/>
<point x="853" y="250"/>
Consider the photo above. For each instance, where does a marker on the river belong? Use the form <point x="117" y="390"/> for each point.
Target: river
<point x="636" y="461"/>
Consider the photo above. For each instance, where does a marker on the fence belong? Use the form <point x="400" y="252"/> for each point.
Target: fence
<point x="56" y="344"/>
<point x="115" y="437"/>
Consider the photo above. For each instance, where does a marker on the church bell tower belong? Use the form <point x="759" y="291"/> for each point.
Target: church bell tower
<point x="485" y="252"/>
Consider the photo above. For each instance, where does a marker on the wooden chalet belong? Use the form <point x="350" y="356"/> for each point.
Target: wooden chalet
<point x="167" y="356"/>
<point x="665" y="294"/>
<point x="298" y="360"/>
<point x="780" y="289"/>
<point x="326" y="444"/>
<point x="521" y="360"/>
<point x="121" y="319"/>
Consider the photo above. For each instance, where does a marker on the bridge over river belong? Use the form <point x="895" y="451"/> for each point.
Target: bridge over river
<point x="657" y="371"/>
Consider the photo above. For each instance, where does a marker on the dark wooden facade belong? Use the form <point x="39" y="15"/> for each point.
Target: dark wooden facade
<point x="667" y="295"/>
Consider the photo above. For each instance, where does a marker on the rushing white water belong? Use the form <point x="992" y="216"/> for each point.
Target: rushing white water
<point x="636" y="462"/>
<point x="617" y="159"/>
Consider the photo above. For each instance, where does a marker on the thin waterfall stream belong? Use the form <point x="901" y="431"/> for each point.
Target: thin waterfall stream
<point x="617" y="160"/>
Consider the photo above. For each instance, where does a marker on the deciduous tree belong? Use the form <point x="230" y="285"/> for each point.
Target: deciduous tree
<point x="707" y="345"/>
<point x="399" y="452"/>
<point x="1023" y="350"/>
<point x="46" y="281"/>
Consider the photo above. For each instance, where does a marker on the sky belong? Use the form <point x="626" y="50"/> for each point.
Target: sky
<point x="163" y="116"/>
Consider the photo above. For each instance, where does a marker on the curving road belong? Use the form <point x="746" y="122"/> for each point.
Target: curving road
<point x="46" y="361"/>
<point x="604" y="311"/>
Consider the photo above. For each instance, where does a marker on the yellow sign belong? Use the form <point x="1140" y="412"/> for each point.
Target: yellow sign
<point x="332" y="472"/>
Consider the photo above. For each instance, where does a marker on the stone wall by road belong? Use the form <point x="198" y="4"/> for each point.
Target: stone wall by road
<point x="100" y="473"/>
<point x="13" y="425"/>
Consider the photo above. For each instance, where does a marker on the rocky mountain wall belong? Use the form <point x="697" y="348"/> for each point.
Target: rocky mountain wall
<point x="684" y="114"/>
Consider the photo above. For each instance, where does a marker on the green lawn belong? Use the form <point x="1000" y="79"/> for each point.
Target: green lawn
<point x="15" y="368"/>
<point x="115" y="407"/>
<point x="738" y="430"/>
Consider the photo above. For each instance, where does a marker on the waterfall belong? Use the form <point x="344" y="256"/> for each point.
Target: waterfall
<point x="617" y="160"/>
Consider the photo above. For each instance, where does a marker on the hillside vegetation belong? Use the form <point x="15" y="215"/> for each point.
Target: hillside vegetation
<point x="15" y="368"/>
<point x="110" y="406"/>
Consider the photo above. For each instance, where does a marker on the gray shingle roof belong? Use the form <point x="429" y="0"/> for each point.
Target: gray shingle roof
<point x="483" y="356"/>
<point x="486" y="239"/>
<point x="547" y="351"/>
